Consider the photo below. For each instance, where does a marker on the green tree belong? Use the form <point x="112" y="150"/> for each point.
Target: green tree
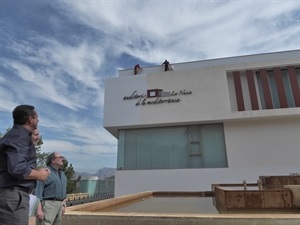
<point x="72" y="179"/>
<point x="41" y="157"/>
<point x="2" y="134"/>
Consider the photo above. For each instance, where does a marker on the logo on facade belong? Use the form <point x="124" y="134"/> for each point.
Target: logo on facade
<point x="157" y="96"/>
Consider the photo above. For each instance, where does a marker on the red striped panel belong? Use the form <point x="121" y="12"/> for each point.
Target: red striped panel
<point x="280" y="88"/>
<point x="266" y="89"/>
<point x="252" y="90"/>
<point x="238" y="91"/>
<point x="294" y="85"/>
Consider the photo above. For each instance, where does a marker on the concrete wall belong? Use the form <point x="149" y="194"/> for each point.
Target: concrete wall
<point x="129" y="182"/>
<point x="105" y="213"/>
<point x="265" y="142"/>
<point x="239" y="61"/>
<point x="261" y="142"/>
<point x="210" y="100"/>
<point x="178" y="219"/>
<point x="254" y="148"/>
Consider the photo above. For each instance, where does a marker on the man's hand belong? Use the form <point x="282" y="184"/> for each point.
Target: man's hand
<point x="43" y="174"/>
<point x="64" y="207"/>
<point x="39" y="212"/>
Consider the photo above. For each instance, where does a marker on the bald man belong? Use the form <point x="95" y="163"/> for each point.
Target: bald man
<point x="52" y="192"/>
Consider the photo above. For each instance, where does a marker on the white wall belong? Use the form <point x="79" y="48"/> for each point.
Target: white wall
<point x="254" y="148"/>
<point x="240" y="61"/>
<point x="129" y="182"/>
<point x="261" y="142"/>
<point x="210" y="100"/>
<point x="268" y="142"/>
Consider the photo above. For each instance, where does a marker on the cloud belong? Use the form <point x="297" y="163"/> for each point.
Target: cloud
<point x="7" y="102"/>
<point x="190" y="30"/>
<point x="87" y="158"/>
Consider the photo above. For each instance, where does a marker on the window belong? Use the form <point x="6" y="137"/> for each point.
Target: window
<point x="198" y="146"/>
<point x="285" y="80"/>
<point x="288" y="89"/>
<point x="264" y="88"/>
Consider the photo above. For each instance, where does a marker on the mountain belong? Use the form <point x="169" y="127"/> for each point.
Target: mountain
<point x="101" y="174"/>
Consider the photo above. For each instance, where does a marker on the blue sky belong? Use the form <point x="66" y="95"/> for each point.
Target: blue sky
<point x="56" y="55"/>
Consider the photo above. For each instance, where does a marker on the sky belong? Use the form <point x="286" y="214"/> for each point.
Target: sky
<point x="57" y="54"/>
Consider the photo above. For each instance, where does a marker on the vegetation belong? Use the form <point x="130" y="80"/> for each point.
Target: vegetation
<point x="41" y="157"/>
<point x="72" y="180"/>
<point x="41" y="162"/>
<point x="2" y="134"/>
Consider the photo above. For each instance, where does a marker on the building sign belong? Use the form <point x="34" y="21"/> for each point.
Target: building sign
<point x="157" y="96"/>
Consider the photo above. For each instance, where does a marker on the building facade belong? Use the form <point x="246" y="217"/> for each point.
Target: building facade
<point x="212" y="121"/>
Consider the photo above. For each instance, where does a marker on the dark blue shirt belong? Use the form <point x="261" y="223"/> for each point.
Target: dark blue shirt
<point x="17" y="158"/>
<point x="54" y="187"/>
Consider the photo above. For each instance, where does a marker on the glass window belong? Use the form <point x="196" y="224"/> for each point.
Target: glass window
<point x="273" y="88"/>
<point x="288" y="89"/>
<point x="201" y="146"/>
<point x="260" y="89"/>
<point x="271" y="82"/>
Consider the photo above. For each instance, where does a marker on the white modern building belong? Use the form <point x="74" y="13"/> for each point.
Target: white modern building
<point x="212" y="121"/>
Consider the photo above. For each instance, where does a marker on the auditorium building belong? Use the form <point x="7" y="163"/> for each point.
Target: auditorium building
<point x="212" y="121"/>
